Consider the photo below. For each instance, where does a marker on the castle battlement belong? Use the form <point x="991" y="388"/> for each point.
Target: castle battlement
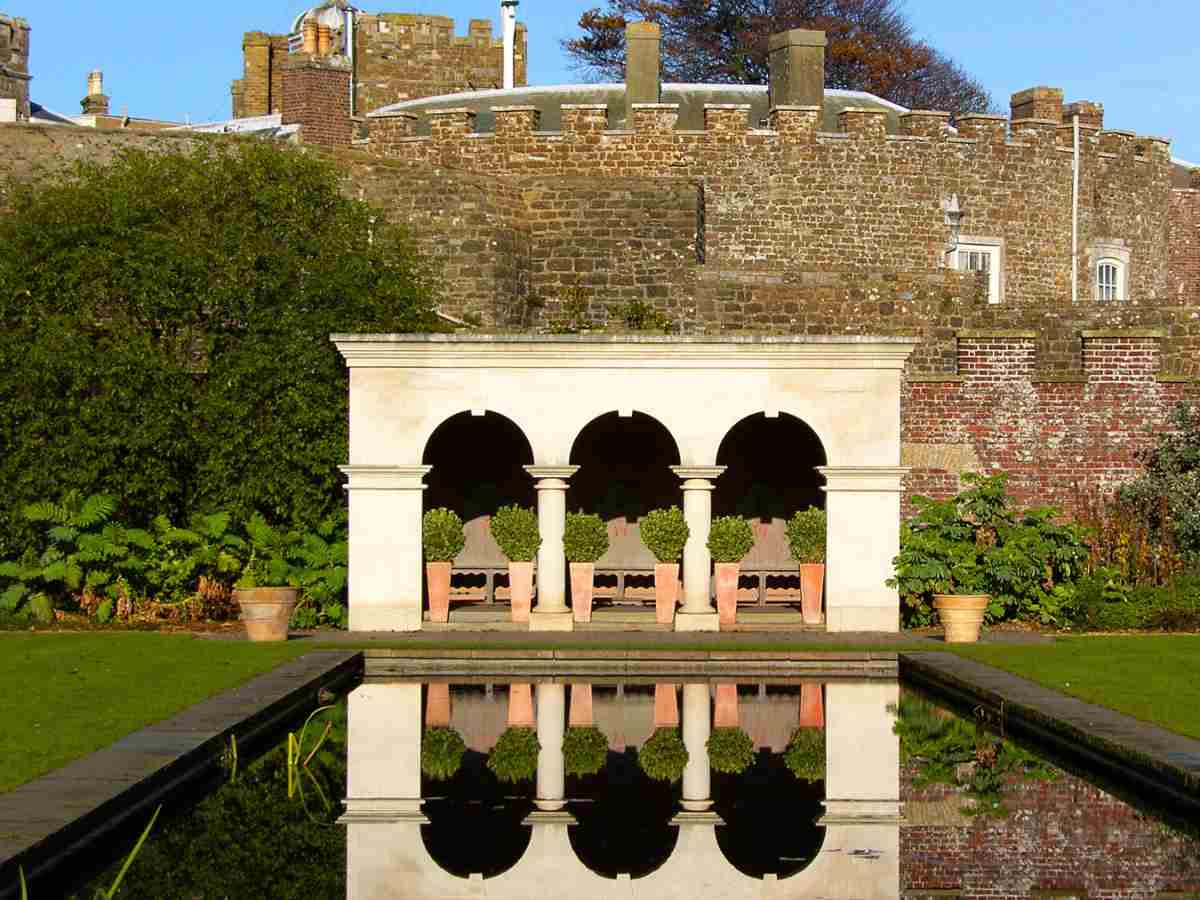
<point x="14" y="68"/>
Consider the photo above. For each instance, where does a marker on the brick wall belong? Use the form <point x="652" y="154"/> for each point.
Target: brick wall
<point x="316" y="96"/>
<point x="1061" y="835"/>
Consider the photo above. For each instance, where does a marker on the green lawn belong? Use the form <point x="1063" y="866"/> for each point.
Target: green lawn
<point x="63" y="696"/>
<point x="1155" y="678"/>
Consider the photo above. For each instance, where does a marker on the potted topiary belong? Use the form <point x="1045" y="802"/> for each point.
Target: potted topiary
<point x="443" y="539"/>
<point x="267" y="588"/>
<point x="585" y="750"/>
<point x="805" y="754"/>
<point x="515" y="530"/>
<point x="664" y="532"/>
<point x="442" y="751"/>
<point x="514" y="757"/>
<point x="663" y="755"/>
<point x="730" y="538"/>
<point x="730" y="750"/>
<point x="806" y="532"/>
<point x="585" y="540"/>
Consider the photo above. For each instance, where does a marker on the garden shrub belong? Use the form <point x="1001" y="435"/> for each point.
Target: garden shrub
<point x="515" y="530"/>
<point x="664" y="532"/>
<point x="730" y="538"/>
<point x="514" y="757"/>
<point x="1168" y="494"/>
<point x="585" y="538"/>
<point x="805" y="754"/>
<point x="164" y="332"/>
<point x="442" y="751"/>
<point x="442" y="535"/>
<point x="806" y="534"/>
<point x="1104" y="603"/>
<point x="663" y="756"/>
<point x="585" y="750"/>
<point x="730" y="750"/>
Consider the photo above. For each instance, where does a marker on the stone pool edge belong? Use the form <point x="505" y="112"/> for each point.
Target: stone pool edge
<point x="1153" y="759"/>
<point x="64" y="815"/>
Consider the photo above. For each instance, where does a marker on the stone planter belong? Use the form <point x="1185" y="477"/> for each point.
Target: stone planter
<point x="666" y="592"/>
<point x="437" y="705"/>
<point x="812" y="587"/>
<point x="580" y="714"/>
<point x="266" y="611"/>
<point x="666" y="706"/>
<point x="812" y="705"/>
<point x="727" y="589"/>
<point x="520" y="706"/>
<point x="437" y="578"/>
<point x="520" y="589"/>
<point x="725" y="709"/>
<point x="961" y="615"/>
<point x="582" y="581"/>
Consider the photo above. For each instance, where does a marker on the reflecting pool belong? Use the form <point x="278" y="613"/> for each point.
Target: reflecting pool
<point x="643" y="789"/>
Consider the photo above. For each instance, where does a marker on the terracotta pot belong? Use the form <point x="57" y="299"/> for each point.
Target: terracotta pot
<point x="266" y="611"/>
<point x="812" y="586"/>
<point x="961" y="615"/>
<point x="666" y="706"/>
<point x="812" y="705"/>
<point x="666" y="591"/>
<point x="580" y="715"/>
<point x="520" y="706"/>
<point x="725" y="711"/>
<point x="520" y="588"/>
<point x="437" y="705"/>
<point x="582" y="581"/>
<point x="727" y="587"/>
<point x="437" y="577"/>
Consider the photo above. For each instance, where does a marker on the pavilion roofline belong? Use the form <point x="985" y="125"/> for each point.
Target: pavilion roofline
<point x="473" y="338"/>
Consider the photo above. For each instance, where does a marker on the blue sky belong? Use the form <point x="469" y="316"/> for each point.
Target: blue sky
<point x="175" y="60"/>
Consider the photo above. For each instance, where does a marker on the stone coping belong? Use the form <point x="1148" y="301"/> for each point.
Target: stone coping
<point x="1168" y="378"/>
<point x="1093" y="334"/>
<point x="984" y="333"/>
<point x="442" y="338"/>
<point x="1054" y="378"/>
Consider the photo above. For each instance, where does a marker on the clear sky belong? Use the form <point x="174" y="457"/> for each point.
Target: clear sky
<point x="175" y="59"/>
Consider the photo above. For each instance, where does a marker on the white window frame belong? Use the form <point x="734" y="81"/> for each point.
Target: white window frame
<point x="994" y="249"/>
<point x="1109" y="252"/>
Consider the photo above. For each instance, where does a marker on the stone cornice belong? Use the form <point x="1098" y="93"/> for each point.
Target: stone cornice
<point x="863" y="479"/>
<point x="385" y="478"/>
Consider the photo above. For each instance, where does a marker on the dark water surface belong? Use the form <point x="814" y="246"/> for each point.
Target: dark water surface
<point x="840" y="790"/>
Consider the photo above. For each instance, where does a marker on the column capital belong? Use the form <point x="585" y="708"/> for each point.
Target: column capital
<point x="551" y="473"/>
<point x="699" y="473"/>
<point x="383" y="809"/>
<point x="385" y="478"/>
<point x="863" y="479"/>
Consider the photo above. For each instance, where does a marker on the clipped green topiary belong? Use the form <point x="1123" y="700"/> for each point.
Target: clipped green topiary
<point x="515" y="529"/>
<point x="730" y="538"/>
<point x="664" y="532"/>
<point x="442" y="751"/>
<point x="585" y="750"/>
<point x="730" y="750"/>
<point x="442" y="535"/>
<point x="585" y="538"/>
<point x="805" y="754"/>
<point x="514" y="758"/>
<point x="663" y="756"/>
<point x="806" y="532"/>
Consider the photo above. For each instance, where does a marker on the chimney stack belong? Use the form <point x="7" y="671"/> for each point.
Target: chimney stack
<point x="309" y="30"/>
<point x="643" y="79"/>
<point x="324" y="40"/>
<point x="508" y="24"/>
<point x="95" y="103"/>
<point x="1042" y="102"/>
<point x="797" y="68"/>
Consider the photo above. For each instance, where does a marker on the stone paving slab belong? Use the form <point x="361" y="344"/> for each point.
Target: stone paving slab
<point x="1129" y="750"/>
<point x="50" y="825"/>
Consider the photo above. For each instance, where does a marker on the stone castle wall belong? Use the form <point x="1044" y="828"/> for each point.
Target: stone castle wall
<point x="14" y="63"/>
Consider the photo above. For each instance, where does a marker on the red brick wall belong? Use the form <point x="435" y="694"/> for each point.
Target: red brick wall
<point x="1060" y="835"/>
<point x="316" y="95"/>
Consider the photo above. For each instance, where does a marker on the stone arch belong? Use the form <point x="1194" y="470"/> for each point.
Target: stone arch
<point x="466" y="840"/>
<point x="474" y="483"/>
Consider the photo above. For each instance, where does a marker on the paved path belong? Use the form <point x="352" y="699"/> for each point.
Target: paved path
<point x="1146" y="757"/>
<point x="50" y="825"/>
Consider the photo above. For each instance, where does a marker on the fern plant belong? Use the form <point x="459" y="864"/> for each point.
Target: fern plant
<point x="181" y="556"/>
<point x="273" y="556"/>
<point x="321" y="571"/>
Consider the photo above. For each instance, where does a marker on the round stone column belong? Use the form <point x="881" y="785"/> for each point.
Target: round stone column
<point x="697" y="725"/>
<point x="551" y="726"/>
<point x="550" y="612"/>
<point x="697" y="613"/>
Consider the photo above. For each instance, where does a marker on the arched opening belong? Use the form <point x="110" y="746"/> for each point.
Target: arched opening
<point x="770" y="474"/>
<point x="477" y="468"/>
<point x="624" y="472"/>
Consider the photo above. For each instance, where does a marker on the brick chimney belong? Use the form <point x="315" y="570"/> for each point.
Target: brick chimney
<point x="797" y="68"/>
<point x="311" y="32"/>
<point x="1091" y="115"/>
<point x="324" y="40"/>
<point x="95" y="103"/>
<point x="643" y="78"/>
<point x="1044" y="103"/>
<point x="316" y="96"/>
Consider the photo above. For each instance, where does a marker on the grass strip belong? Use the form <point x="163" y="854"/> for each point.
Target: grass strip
<point x="67" y="695"/>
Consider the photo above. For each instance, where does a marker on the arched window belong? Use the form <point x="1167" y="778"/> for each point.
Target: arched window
<point x="1110" y="280"/>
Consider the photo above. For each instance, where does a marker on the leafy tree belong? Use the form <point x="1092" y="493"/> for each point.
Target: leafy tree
<point x="164" y="331"/>
<point x="871" y="46"/>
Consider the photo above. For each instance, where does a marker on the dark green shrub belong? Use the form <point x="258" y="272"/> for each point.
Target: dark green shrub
<point x="806" y="532"/>
<point x="663" y="756"/>
<point x="664" y="532"/>
<point x="585" y="750"/>
<point x="730" y="538"/>
<point x="208" y="547"/>
<point x="514" y="758"/>
<point x="805" y="754"/>
<point x="1180" y="609"/>
<point x="442" y="751"/>
<point x="1167" y="496"/>
<point x="515" y="530"/>
<point x="442" y="535"/>
<point x="585" y="538"/>
<point x="321" y="568"/>
<point x="730" y="750"/>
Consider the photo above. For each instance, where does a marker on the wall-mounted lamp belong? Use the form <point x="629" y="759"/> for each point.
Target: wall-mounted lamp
<point x="953" y="212"/>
